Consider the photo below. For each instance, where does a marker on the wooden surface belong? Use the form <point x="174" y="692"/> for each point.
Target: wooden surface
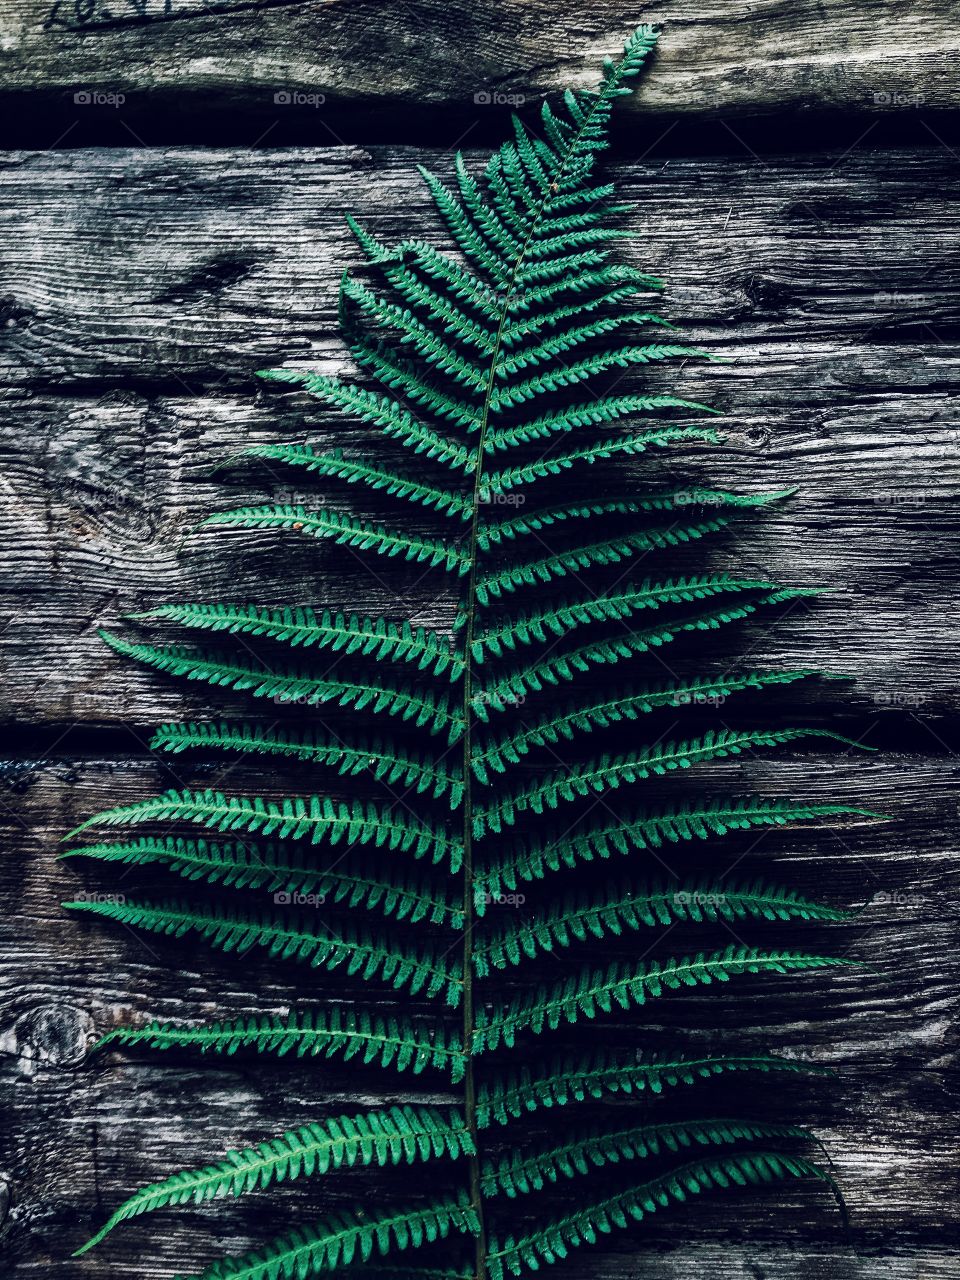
<point x="139" y="290"/>
<point x="230" y="55"/>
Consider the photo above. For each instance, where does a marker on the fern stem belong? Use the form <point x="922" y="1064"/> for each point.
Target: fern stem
<point x="469" y="905"/>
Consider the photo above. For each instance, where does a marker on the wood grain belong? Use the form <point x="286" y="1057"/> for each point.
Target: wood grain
<point x="88" y="1134"/>
<point x="130" y="376"/>
<point x="236" y="55"/>
<point x="151" y="286"/>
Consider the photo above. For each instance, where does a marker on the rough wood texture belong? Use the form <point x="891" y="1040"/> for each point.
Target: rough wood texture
<point x="153" y="284"/>
<point x="129" y="367"/>
<point x="232" y="55"/>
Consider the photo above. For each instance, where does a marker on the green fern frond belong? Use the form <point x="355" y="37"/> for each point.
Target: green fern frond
<point x="424" y="708"/>
<point x="396" y="1135"/>
<point x="571" y="339"/>
<point x="607" y="773"/>
<point x="601" y="412"/>
<point x="379" y="638"/>
<point x="396" y="422"/>
<point x="691" y="820"/>
<point x="593" y="1078"/>
<point x="511" y="358"/>
<point x="556" y="379"/>
<point x="346" y="531"/>
<point x="523" y="1171"/>
<point x="516" y="331"/>
<point x="608" y="551"/>
<point x="420" y="337"/>
<point x="527" y="473"/>
<point x="626" y="909"/>
<point x="358" y="952"/>
<point x="284" y="872"/>
<point x="554" y="1242"/>
<point x="534" y="522"/>
<point x="594" y="991"/>
<point x="375" y="759"/>
<point x="558" y="620"/>
<point x="566" y="665"/>
<point x="338" y="1240"/>
<point x="392" y="1041"/>
<point x="316" y="819"/>
<point x="630" y="705"/>
<point x="365" y="471"/>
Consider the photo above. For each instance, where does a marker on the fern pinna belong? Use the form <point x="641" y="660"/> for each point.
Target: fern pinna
<point x="498" y="367"/>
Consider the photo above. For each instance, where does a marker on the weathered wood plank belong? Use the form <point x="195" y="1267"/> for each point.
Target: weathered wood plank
<point x="131" y="369"/>
<point x="238" y="54"/>
<point x="87" y="1135"/>
<point x="148" y="267"/>
<point x="128" y="382"/>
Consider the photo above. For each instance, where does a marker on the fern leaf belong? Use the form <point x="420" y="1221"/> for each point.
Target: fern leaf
<point x="596" y="991"/>
<point x="476" y="360"/>
<point x="566" y="665"/>
<point x="608" y="551"/>
<point x="691" y="820"/>
<point x="390" y="367"/>
<point x="424" y="708"/>
<point x="357" y="951"/>
<point x="524" y="1171"/>
<point x="283" y="872"/>
<point x="626" y="909"/>
<point x="346" y="531"/>
<point x="396" y="422"/>
<point x="336" y="1241"/>
<point x="558" y="620"/>
<point x="594" y="1077"/>
<point x="379" y="638"/>
<point x="584" y="719"/>
<point x="553" y="1242"/>
<point x="610" y="772"/>
<point x="420" y="337"/>
<point x="318" y="820"/>
<point x="572" y="338"/>
<point x="534" y="522"/>
<point x="579" y="371"/>
<point x="396" y="1135"/>
<point x="377" y="760"/>
<point x="331" y="1033"/>
<point x="365" y="471"/>
<point x="603" y="411"/>
<point x="554" y="464"/>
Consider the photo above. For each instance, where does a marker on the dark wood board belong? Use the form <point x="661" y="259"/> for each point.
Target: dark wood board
<point x="151" y="286"/>
<point x="236" y="55"/>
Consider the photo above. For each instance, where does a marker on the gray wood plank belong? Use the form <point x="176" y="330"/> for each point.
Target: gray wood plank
<point x="155" y="284"/>
<point x="131" y="368"/>
<point x="237" y="54"/>
<point x="87" y="1135"/>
